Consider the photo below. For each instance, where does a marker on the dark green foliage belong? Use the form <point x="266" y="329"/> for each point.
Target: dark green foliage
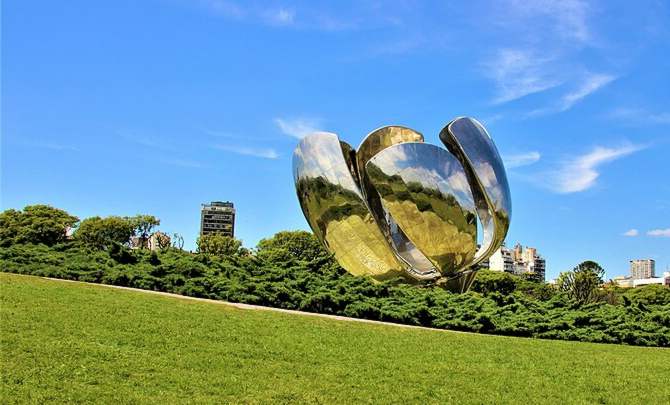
<point x="581" y="284"/>
<point x="649" y="295"/>
<point x="35" y="224"/>
<point x="103" y="233"/>
<point x="218" y="244"/>
<point x="291" y="270"/>
<point x="287" y="245"/>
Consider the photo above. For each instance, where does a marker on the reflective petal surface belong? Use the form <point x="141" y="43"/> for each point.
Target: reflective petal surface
<point x="425" y="190"/>
<point x="336" y="211"/>
<point x="471" y="144"/>
<point x="419" y="265"/>
<point x="400" y="207"/>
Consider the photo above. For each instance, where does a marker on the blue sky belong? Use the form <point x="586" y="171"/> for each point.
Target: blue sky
<point x="155" y="106"/>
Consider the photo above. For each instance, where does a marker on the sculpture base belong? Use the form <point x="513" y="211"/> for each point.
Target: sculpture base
<point x="458" y="283"/>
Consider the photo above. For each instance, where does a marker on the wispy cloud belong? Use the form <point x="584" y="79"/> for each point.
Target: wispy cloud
<point x="580" y="173"/>
<point x="565" y="19"/>
<point x="521" y="159"/>
<point x="223" y="7"/>
<point x="639" y="116"/>
<point x="546" y="36"/>
<point x="520" y="72"/>
<point x="308" y="16"/>
<point x="266" y="153"/>
<point x="232" y="135"/>
<point x="280" y="16"/>
<point x="591" y="84"/>
<point x="298" y="127"/>
<point x="663" y="233"/>
<point x="143" y="140"/>
<point x="587" y="86"/>
<point x="631" y="232"/>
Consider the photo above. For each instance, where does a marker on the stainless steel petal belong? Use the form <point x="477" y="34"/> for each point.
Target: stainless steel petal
<point x="334" y="207"/>
<point x="468" y="140"/>
<point x="425" y="190"/>
<point x="419" y="266"/>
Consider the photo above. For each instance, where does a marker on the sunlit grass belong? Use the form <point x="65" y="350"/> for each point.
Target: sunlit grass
<point x="71" y="342"/>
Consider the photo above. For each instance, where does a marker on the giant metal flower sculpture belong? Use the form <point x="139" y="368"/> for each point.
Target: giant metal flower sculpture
<point x="400" y="207"/>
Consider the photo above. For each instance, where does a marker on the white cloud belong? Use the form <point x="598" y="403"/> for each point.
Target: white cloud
<point x="518" y="73"/>
<point x="546" y="37"/>
<point x="266" y="153"/>
<point x="281" y="16"/>
<point x="298" y="127"/>
<point x="312" y="16"/>
<point x="587" y="86"/>
<point x="224" y="7"/>
<point x="660" y="232"/>
<point x="567" y="19"/>
<point x="640" y="116"/>
<point x="631" y="232"/>
<point x="590" y="84"/>
<point x="521" y="159"/>
<point x="581" y="172"/>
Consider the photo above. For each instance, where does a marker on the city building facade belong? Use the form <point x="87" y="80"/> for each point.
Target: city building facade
<point x="156" y="241"/>
<point x="642" y="268"/>
<point x="218" y="217"/>
<point x="630" y="282"/>
<point x="519" y="261"/>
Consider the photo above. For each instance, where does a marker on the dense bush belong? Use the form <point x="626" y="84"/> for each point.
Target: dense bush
<point x="285" y="277"/>
<point x="292" y="270"/>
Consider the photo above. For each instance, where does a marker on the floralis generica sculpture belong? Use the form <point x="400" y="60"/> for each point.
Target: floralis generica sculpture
<point x="397" y="206"/>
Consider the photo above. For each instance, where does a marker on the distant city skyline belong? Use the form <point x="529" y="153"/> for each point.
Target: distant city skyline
<point x="155" y="107"/>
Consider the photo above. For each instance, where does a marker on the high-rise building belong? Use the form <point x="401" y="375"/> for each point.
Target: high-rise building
<point x="518" y="261"/>
<point x="218" y="217"/>
<point x="502" y="260"/>
<point x="642" y="268"/>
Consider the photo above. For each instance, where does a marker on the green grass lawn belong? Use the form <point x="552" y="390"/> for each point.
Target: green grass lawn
<point x="86" y="343"/>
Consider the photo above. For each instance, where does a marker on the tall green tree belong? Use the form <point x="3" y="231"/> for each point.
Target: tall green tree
<point x="218" y="244"/>
<point x="101" y="233"/>
<point x="581" y="284"/>
<point x="35" y="224"/>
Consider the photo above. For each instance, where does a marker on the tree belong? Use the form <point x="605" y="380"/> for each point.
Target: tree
<point x="299" y="245"/>
<point x="35" y="224"/>
<point x="101" y="233"/>
<point x="581" y="284"/>
<point x="143" y="225"/>
<point x="218" y="244"/>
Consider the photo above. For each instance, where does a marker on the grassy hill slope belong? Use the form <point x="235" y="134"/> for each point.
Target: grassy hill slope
<point x="70" y="342"/>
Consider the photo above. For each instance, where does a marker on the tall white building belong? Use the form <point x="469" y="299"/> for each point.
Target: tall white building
<point x="501" y="260"/>
<point x="642" y="268"/>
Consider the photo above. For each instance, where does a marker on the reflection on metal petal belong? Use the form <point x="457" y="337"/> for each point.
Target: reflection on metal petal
<point x="415" y="183"/>
<point x="398" y="206"/>
<point x="336" y="211"/>
<point x="376" y="141"/>
<point x="471" y="144"/>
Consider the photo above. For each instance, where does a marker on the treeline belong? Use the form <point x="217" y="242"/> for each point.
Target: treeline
<point x="290" y="270"/>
